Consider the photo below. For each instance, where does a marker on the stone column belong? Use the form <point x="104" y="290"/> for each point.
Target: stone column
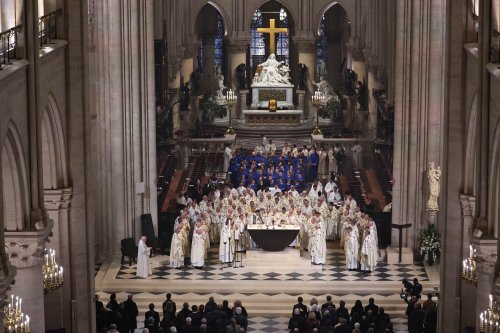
<point x="189" y="59"/>
<point x="174" y="82"/>
<point x="26" y="252"/>
<point x="237" y="54"/>
<point x="57" y="203"/>
<point x="242" y="102"/>
<point x="486" y="257"/>
<point x="307" y="56"/>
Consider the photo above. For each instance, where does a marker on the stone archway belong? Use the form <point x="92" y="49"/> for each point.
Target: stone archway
<point x="53" y="147"/>
<point x="471" y="148"/>
<point x="14" y="204"/>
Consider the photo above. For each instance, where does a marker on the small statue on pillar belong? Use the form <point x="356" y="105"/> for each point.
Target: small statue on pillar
<point x="302" y="79"/>
<point x="241" y="75"/>
<point x="434" y="176"/>
<point x="362" y="95"/>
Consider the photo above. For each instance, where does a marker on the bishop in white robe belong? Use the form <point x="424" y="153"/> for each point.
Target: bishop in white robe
<point x="143" y="264"/>
<point x="318" y="244"/>
<point x="369" y="253"/>
<point x="226" y="246"/>
<point x="198" y="247"/>
<point x="351" y="248"/>
<point x="177" y="250"/>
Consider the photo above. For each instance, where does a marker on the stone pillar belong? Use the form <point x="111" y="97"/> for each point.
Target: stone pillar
<point x="300" y="97"/>
<point x="486" y="257"/>
<point x="237" y="54"/>
<point x="26" y="252"/>
<point x="188" y="60"/>
<point x="307" y="56"/>
<point x="242" y="103"/>
<point x="57" y="203"/>
<point x="358" y="64"/>
<point x="371" y="122"/>
<point x="174" y="82"/>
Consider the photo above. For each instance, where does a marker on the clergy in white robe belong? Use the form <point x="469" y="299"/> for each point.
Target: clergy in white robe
<point x="143" y="265"/>
<point x="318" y="243"/>
<point x="198" y="247"/>
<point x="369" y="253"/>
<point x="228" y="155"/>
<point x="226" y="246"/>
<point x="351" y="249"/>
<point x="176" y="250"/>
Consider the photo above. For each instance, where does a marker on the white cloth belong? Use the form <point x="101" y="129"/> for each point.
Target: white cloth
<point x="198" y="249"/>
<point x="226" y="246"/>
<point x="176" y="251"/>
<point x="143" y="265"/>
<point x="228" y="154"/>
<point x="369" y="254"/>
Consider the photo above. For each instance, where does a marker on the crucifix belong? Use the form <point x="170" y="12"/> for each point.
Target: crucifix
<point x="272" y="31"/>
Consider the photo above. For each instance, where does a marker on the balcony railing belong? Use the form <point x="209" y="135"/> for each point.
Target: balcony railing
<point x="47" y="27"/>
<point x="8" y="45"/>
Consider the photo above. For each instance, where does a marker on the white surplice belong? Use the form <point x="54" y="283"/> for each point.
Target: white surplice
<point x="143" y="265"/>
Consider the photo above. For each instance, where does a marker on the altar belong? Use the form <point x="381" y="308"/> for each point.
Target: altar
<point x="273" y="238"/>
<point x="262" y="94"/>
<point x="266" y="118"/>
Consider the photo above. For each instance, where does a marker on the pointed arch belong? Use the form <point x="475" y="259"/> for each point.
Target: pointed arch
<point x="471" y="148"/>
<point x="225" y="17"/>
<point x="262" y="2"/>
<point x="494" y="181"/>
<point x="53" y="146"/>
<point x="14" y="193"/>
<point x="319" y="17"/>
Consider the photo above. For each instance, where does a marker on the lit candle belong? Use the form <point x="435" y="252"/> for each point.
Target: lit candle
<point x="27" y="323"/>
<point x="463" y="267"/>
<point x="491" y="301"/>
<point x="482" y="318"/>
<point x="20" y="305"/>
<point x="471" y="251"/>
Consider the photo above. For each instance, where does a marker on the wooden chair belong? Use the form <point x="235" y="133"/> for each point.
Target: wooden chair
<point x="129" y="249"/>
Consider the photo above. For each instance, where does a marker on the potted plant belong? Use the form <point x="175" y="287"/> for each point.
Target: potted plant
<point x="430" y="246"/>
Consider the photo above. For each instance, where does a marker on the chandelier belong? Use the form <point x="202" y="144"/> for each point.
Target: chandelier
<point x="469" y="271"/>
<point x="489" y="319"/>
<point x="14" y="320"/>
<point x="52" y="272"/>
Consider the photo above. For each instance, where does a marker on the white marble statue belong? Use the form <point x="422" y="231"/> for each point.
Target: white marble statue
<point x="325" y="87"/>
<point x="220" y="98"/>
<point x="322" y="68"/>
<point x="273" y="73"/>
<point x="434" y="176"/>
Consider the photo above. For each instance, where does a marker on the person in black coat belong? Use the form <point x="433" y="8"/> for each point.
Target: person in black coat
<point x="130" y="312"/>
<point x="152" y="314"/>
<point x="431" y="320"/>
<point x="416" y="320"/>
<point x="371" y="306"/>
<point x="342" y="311"/>
<point x="357" y="309"/>
<point x="297" y="321"/>
<point x="300" y="306"/>
<point x="169" y="300"/>
<point x="343" y="327"/>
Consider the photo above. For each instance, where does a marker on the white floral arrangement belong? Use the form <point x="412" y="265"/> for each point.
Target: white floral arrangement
<point x="430" y="246"/>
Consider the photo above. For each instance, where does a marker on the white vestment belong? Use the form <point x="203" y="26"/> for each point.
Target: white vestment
<point x="198" y="249"/>
<point x="228" y="154"/>
<point x="176" y="251"/>
<point x="143" y="265"/>
<point x="226" y="246"/>
<point x="351" y="249"/>
<point x="318" y="245"/>
<point x="369" y="254"/>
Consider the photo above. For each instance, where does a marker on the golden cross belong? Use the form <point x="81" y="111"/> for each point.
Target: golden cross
<point x="272" y="31"/>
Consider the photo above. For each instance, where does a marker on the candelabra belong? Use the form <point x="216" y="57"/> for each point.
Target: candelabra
<point x="489" y="319"/>
<point x="52" y="273"/>
<point x="318" y="100"/>
<point x="231" y="101"/>
<point x="15" y="321"/>
<point x="469" y="271"/>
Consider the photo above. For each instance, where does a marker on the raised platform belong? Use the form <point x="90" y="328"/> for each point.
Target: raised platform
<point x="266" y="118"/>
<point x="393" y="256"/>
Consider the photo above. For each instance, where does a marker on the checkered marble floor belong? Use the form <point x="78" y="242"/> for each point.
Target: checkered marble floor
<point x="334" y="270"/>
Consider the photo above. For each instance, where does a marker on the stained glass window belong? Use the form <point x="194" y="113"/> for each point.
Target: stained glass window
<point x="321" y="50"/>
<point x="219" y="44"/>
<point x="257" y="44"/>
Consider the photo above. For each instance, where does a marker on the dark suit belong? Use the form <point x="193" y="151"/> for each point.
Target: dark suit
<point x="153" y="314"/>
<point x="131" y="312"/>
<point x="416" y="321"/>
<point x="301" y="307"/>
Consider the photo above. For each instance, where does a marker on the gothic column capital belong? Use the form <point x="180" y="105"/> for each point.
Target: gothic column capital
<point x="304" y="45"/>
<point x="237" y="45"/>
<point x="356" y="52"/>
<point x="67" y="193"/>
<point x="468" y="203"/>
<point x="52" y="199"/>
<point x="27" y="248"/>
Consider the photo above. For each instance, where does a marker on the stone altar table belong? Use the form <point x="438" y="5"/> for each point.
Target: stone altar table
<point x="266" y="118"/>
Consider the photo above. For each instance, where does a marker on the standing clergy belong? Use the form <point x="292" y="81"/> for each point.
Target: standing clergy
<point x="143" y="265"/>
<point x="369" y="252"/>
<point x="318" y="243"/>
<point x="228" y="154"/>
<point x="357" y="151"/>
<point x="177" y="249"/>
<point x="351" y="248"/>
<point x="226" y="246"/>
<point x="198" y="246"/>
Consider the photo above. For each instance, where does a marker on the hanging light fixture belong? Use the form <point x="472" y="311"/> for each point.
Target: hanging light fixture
<point x="15" y="321"/>
<point x="469" y="267"/>
<point x="52" y="273"/>
<point x="489" y="319"/>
